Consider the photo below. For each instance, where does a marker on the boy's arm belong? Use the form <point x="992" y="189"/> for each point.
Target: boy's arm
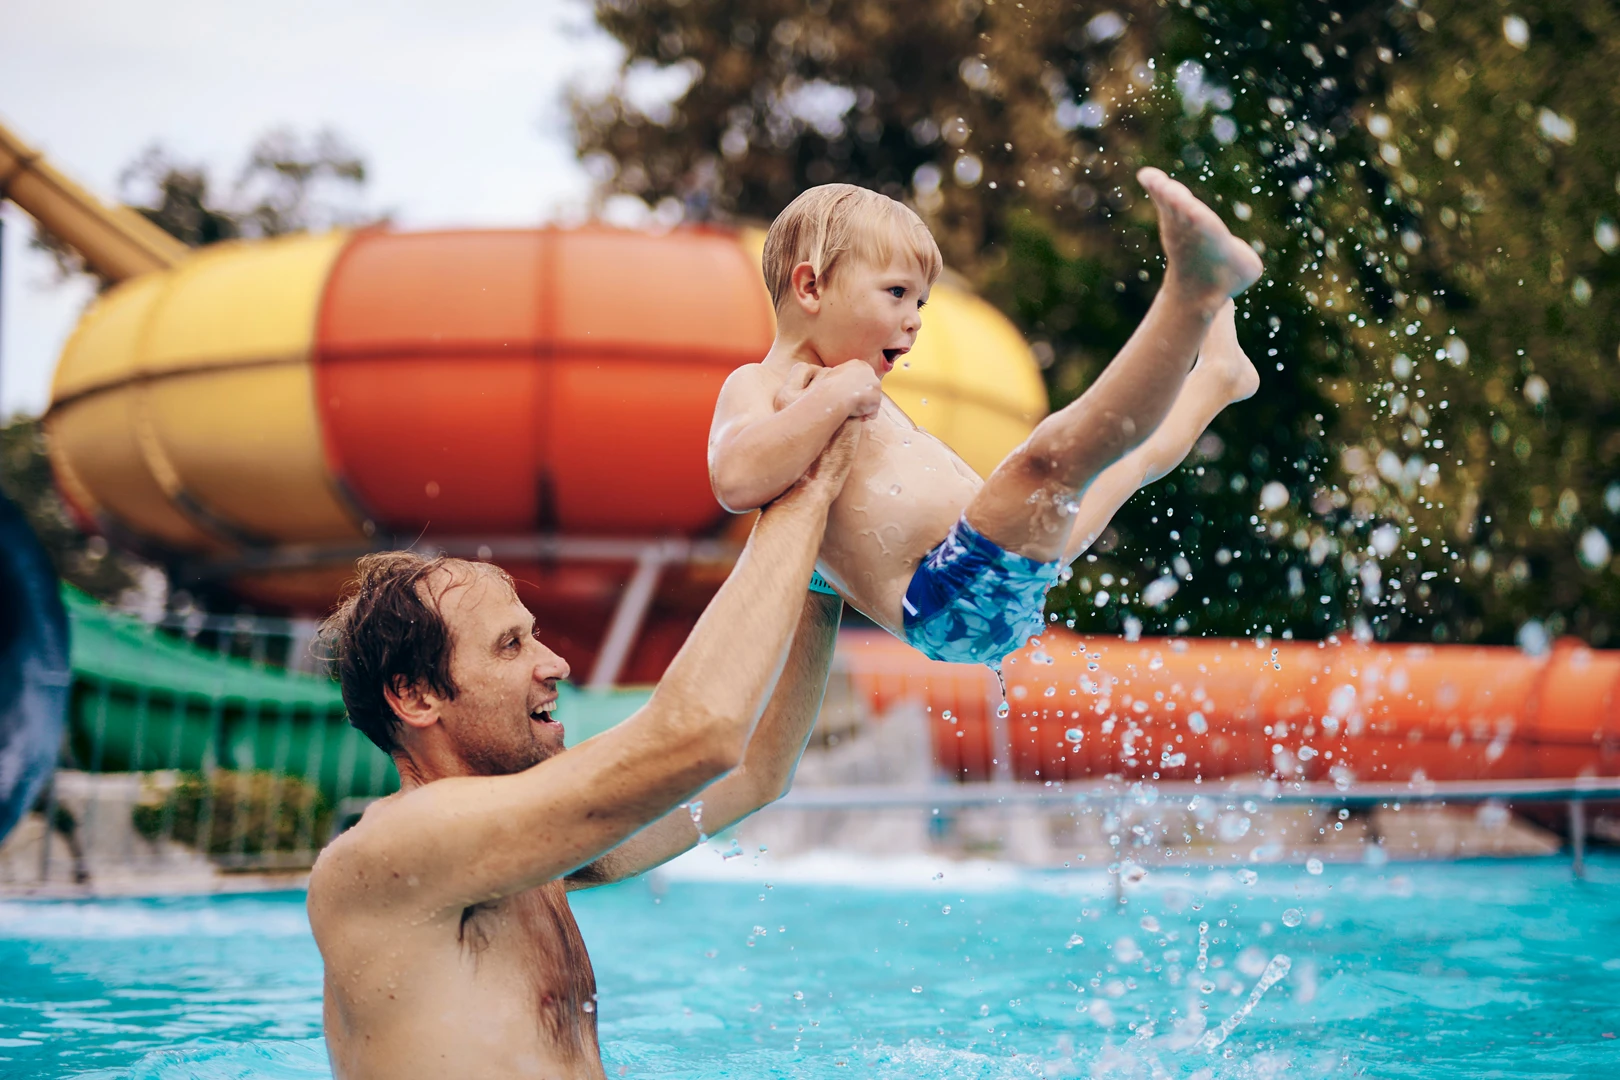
<point x="757" y="451"/>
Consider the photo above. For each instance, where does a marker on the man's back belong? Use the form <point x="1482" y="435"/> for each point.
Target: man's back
<point x="500" y="988"/>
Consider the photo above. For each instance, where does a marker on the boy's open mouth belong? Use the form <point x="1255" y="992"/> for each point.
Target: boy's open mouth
<point x="891" y="355"/>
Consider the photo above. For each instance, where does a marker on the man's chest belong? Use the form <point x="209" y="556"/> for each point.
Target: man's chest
<point x="533" y="933"/>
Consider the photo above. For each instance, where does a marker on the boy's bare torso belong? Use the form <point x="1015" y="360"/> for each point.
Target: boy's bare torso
<point x="904" y="492"/>
<point x="503" y="989"/>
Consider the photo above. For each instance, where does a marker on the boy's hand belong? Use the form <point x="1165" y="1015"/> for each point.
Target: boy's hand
<point x="852" y="386"/>
<point x="857" y="386"/>
<point x="798" y="381"/>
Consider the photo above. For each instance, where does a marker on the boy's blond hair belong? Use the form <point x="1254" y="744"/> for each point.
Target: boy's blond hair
<point x="826" y="223"/>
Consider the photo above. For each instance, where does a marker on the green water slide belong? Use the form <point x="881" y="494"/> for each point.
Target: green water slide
<point x="142" y="699"/>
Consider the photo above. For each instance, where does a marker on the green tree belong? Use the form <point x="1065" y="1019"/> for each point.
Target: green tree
<point x="288" y="184"/>
<point x="1493" y="383"/>
<point x="1016" y="130"/>
<point x="80" y="559"/>
<point x="1432" y="453"/>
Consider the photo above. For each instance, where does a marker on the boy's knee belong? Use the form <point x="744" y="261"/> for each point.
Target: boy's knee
<point x="1038" y="461"/>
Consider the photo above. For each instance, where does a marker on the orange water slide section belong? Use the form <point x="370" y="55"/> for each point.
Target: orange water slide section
<point x="1177" y="709"/>
<point x="501" y="382"/>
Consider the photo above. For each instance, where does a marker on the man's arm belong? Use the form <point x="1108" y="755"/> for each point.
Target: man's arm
<point x="462" y="840"/>
<point x="767" y="766"/>
<point x="757" y="450"/>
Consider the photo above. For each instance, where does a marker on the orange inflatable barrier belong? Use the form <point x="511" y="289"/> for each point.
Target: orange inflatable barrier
<point x="1180" y="709"/>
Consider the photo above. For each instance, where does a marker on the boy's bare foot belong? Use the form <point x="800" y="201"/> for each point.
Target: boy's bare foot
<point x="1222" y="359"/>
<point x="1204" y="258"/>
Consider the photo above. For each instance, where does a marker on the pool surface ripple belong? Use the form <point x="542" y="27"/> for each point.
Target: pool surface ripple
<point x="1437" y="970"/>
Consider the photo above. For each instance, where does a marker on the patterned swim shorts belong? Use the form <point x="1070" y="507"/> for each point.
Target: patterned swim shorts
<point x="972" y="603"/>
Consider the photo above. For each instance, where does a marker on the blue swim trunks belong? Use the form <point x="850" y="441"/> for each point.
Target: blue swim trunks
<point x="972" y="603"/>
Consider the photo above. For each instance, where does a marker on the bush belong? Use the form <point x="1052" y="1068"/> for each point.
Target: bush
<point x="246" y="813"/>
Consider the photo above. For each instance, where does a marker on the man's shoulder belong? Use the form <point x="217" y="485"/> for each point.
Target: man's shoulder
<point x="343" y="862"/>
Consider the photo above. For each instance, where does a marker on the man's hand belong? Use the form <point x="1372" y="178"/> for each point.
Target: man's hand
<point x="824" y="479"/>
<point x="852" y="388"/>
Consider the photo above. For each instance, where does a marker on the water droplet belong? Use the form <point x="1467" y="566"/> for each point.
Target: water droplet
<point x="1606" y="235"/>
<point x="1534" y="639"/>
<point x="1313" y="865"/>
<point x="1292" y="917"/>
<point x="1002" y="710"/>
<point x="1247" y="876"/>
<point x="1196" y="723"/>
<point x="798" y="995"/>
<point x="916" y="989"/>
<point x="1150" y="924"/>
<point x="1232" y="827"/>
<point x="1595" y="551"/>
<point x="1051" y="691"/>
<point x="1074" y="735"/>
<point x="1516" y="31"/>
<point x="1074" y="939"/>
<point x="895" y="490"/>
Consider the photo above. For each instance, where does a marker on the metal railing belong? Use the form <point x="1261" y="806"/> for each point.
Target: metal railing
<point x="160" y="782"/>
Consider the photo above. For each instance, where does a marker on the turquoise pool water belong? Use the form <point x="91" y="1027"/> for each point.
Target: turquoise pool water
<point x="1482" y="969"/>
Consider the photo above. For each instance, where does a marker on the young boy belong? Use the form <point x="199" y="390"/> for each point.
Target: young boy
<point x="957" y="566"/>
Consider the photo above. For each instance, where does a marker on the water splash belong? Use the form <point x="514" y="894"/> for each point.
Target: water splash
<point x="1274" y="972"/>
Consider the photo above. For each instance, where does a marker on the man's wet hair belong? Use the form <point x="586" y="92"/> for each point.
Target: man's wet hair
<point x="829" y="223"/>
<point x="388" y="631"/>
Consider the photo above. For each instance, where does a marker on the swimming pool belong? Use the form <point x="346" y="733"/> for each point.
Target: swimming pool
<point x="1417" y="970"/>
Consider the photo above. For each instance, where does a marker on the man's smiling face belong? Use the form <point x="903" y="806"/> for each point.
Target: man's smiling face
<point x="500" y="720"/>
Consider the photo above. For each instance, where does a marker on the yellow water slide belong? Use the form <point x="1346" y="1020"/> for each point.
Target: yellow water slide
<point x="116" y="242"/>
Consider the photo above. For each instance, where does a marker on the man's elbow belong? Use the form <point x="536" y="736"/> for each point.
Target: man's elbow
<point x="716" y="745"/>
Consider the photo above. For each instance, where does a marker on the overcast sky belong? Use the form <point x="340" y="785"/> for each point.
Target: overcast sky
<point x="456" y="108"/>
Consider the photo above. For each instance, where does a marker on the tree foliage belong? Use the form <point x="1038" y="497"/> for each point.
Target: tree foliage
<point x="80" y="559"/>
<point x="1429" y="454"/>
<point x="288" y="184"/>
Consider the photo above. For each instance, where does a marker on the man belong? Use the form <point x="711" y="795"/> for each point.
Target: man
<point x="442" y="917"/>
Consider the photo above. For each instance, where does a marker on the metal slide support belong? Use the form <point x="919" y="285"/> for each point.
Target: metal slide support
<point x="628" y="617"/>
<point x="1577" y="836"/>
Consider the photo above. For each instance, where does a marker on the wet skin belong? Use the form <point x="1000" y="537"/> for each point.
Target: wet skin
<point x="442" y="917"/>
<point x="1053" y="495"/>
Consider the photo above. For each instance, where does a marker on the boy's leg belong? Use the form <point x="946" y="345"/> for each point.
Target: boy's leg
<point x="1027" y="506"/>
<point x="1222" y="376"/>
